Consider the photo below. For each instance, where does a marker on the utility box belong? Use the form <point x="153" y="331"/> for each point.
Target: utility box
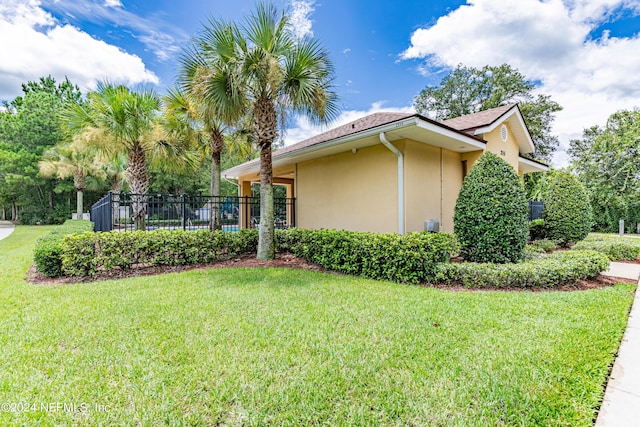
<point x="433" y="225"/>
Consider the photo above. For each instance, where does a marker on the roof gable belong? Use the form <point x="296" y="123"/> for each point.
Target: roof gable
<point x="485" y="121"/>
<point x="473" y="121"/>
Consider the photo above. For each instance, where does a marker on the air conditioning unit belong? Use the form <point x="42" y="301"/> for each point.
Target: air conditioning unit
<point x="432" y="225"/>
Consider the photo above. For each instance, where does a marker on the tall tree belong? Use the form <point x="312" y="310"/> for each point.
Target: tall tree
<point x="270" y="72"/>
<point x="29" y="125"/>
<point x="606" y="161"/>
<point x="208" y="79"/>
<point x="118" y="120"/>
<point x="469" y="90"/>
<point x="189" y="117"/>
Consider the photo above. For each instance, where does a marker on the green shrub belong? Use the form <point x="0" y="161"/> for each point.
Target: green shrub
<point x="532" y="252"/>
<point x="545" y="245"/>
<point x="556" y="269"/>
<point x="409" y="258"/>
<point x="47" y="252"/>
<point x="490" y="217"/>
<point x="536" y="229"/>
<point x="567" y="211"/>
<point x="85" y="254"/>
<point x="616" y="248"/>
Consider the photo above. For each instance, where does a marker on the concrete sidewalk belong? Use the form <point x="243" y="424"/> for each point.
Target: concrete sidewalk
<point x="6" y="228"/>
<point x="621" y="404"/>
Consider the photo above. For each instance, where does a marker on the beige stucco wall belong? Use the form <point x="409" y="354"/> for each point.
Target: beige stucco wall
<point x="349" y="191"/>
<point x="433" y="178"/>
<point x="508" y="149"/>
<point x="359" y="191"/>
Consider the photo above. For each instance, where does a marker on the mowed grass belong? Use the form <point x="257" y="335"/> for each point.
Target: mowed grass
<point x="288" y="347"/>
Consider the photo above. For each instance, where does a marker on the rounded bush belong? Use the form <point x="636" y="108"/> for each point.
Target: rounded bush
<point x="490" y="217"/>
<point x="567" y="211"/>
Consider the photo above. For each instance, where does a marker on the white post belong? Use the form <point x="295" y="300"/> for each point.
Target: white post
<point x="621" y="227"/>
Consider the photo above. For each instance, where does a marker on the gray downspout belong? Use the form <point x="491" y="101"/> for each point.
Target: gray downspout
<point x="398" y="153"/>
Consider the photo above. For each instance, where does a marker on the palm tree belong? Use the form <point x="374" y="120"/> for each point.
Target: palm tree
<point x="72" y="160"/>
<point x="115" y="119"/>
<point x="266" y="69"/>
<point x="207" y="95"/>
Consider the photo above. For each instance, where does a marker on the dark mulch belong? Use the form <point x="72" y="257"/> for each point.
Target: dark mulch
<point x="281" y="260"/>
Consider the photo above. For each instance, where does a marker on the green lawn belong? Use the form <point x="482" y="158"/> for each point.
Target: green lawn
<point x="287" y="347"/>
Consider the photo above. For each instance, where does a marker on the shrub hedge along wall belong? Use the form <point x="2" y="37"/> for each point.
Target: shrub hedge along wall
<point x="567" y="211"/>
<point x="490" y="217"/>
<point x="412" y="258"/>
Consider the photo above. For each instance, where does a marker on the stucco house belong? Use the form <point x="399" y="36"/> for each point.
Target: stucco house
<point x="391" y="172"/>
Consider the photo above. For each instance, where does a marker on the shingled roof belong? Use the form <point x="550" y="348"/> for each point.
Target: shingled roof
<point x="364" y="123"/>
<point x="465" y="125"/>
<point x="470" y="122"/>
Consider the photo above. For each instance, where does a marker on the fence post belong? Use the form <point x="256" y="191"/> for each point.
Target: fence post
<point x="184" y="210"/>
<point x="109" y="219"/>
<point x="621" y="227"/>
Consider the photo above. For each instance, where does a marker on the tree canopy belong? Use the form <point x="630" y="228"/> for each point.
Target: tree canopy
<point x="606" y="161"/>
<point x="29" y="125"/>
<point x="469" y="90"/>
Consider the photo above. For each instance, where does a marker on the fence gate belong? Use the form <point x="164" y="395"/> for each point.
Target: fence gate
<point x="535" y="210"/>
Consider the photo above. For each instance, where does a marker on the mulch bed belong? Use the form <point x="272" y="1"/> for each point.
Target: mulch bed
<point x="287" y="261"/>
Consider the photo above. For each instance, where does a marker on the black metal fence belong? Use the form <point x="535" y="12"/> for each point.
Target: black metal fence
<point x="535" y="210"/>
<point x="125" y="211"/>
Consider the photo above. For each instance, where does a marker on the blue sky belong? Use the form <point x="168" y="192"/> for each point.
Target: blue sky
<point x="584" y="53"/>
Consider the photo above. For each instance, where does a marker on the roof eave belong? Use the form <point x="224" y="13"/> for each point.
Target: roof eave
<point x="415" y="120"/>
<point x="528" y="165"/>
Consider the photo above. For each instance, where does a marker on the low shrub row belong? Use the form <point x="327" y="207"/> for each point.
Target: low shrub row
<point x="409" y="258"/>
<point x="616" y="248"/>
<point x="556" y="269"/>
<point x="48" y="251"/>
<point x="85" y="254"/>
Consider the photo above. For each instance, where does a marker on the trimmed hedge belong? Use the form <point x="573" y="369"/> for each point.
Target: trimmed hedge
<point x="616" y="248"/>
<point x="556" y="269"/>
<point x="490" y="216"/>
<point x="48" y="250"/>
<point x="409" y="258"/>
<point x="567" y="212"/>
<point x="85" y="254"/>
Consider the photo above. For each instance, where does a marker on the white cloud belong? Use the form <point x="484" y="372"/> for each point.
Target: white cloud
<point x="41" y="46"/>
<point x="160" y="37"/>
<point x="549" y="42"/>
<point x="346" y="50"/>
<point x="304" y="129"/>
<point x="299" y="17"/>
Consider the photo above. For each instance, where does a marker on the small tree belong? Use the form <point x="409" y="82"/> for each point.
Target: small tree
<point x="567" y="211"/>
<point x="490" y="217"/>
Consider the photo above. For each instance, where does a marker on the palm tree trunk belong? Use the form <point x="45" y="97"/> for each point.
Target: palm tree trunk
<point x="266" y="237"/>
<point x="265" y="126"/>
<point x="115" y="201"/>
<point x="139" y="182"/>
<point x="217" y="144"/>
<point x="79" y="182"/>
